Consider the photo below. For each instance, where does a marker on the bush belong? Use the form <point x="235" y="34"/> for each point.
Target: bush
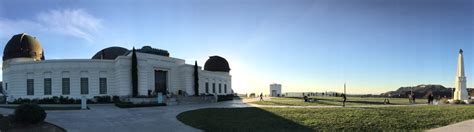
<point x="103" y="99"/>
<point x="29" y="114"/>
<point x="116" y="99"/>
<point x="225" y="97"/>
<point x="444" y="101"/>
<point x="457" y="102"/>
<point x="471" y="101"/>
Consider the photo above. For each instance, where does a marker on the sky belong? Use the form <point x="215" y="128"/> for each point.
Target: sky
<point x="374" y="46"/>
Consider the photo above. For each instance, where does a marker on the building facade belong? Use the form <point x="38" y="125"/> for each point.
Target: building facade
<point x="275" y="90"/>
<point x="27" y="74"/>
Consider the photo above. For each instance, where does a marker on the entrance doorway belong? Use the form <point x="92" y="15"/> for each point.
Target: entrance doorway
<point x="274" y="93"/>
<point x="161" y="80"/>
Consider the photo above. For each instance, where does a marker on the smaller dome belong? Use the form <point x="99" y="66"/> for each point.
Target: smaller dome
<point x="216" y="63"/>
<point x="110" y="53"/>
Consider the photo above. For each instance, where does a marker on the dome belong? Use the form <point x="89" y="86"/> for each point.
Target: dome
<point x="110" y="53"/>
<point x="23" y="46"/>
<point x="155" y="51"/>
<point x="216" y="63"/>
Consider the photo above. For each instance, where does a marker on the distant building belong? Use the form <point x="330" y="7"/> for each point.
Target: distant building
<point x="275" y="90"/>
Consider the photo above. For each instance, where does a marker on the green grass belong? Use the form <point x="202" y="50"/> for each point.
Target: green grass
<point x="335" y="101"/>
<point x="307" y="119"/>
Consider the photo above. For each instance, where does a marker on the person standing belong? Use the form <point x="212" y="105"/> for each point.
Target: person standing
<point x="344" y="99"/>
<point x="261" y="96"/>
<point x="413" y="97"/>
<point x="410" y="98"/>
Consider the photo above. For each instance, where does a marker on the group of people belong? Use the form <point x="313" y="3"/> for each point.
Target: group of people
<point x="412" y="97"/>
<point x="430" y="99"/>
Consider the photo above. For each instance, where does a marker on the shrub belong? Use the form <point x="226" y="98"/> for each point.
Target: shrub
<point x="225" y="97"/>
<point x="103" y="99"/>
<point x="444" y="101"/>
<point x="116" y="99"/>
<point x="457" y="102"/>
<point x="471" y="101"/>
<point x="29" y="114"/>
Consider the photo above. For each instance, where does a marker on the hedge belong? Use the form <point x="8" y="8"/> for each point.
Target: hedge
<point x="67" y="100"/>
<point x="225" y="97"/>
<point x="29" y="114"/>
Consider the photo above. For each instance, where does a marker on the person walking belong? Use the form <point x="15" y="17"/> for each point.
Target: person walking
<point x="430" y="99"/>
<point x="410" y="98"/>
<point x="261" y="96"/>
<point x="413" y="98"/>
<point x="344" y="99"/>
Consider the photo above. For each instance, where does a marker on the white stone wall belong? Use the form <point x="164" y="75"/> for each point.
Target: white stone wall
<point x="277" y="88"/>
<point x="117" y="72"/>
<point x="16" y="74"/>
<point x="217" y="78"/>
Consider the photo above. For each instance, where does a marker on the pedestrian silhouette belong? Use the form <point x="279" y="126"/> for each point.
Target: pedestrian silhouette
<point x="344" y="100"/>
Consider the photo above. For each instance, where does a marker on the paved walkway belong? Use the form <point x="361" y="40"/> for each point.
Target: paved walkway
<point x="110" y="118"/>
<point x="104" y="118"/>
<point x="465" y="126"/>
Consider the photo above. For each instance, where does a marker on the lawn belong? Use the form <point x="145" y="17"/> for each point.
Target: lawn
<point x="335" y="101"/>
<point x="311" y="119"/>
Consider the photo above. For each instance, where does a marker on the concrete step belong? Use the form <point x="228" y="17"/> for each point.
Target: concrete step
<point x="171" y="101"/>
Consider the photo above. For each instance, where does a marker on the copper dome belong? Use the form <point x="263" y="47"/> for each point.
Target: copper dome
<point x="23" y="46"/>
<point x="216" y="63"/>
<point x="110" y="53"/>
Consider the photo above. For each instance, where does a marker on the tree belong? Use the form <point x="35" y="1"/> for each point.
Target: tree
<point x="196" y="79"/>
<point x="134" y="74"/>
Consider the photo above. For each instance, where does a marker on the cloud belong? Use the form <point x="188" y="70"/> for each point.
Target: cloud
<point x="71" y="22"/>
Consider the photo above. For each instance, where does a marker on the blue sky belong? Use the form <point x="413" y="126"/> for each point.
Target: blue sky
<point x="306" y="45"/>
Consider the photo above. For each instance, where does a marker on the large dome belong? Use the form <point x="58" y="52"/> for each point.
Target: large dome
<point x="23" y="46"/>
<point x="216" y="63"/>
<point x="110" y="53"/>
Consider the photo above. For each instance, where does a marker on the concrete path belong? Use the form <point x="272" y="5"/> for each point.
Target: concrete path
<point x="465" y="126"/>
<point x="103" y="118"/>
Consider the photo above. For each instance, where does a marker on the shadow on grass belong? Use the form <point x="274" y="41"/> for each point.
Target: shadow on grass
<point x="238" y="119"/>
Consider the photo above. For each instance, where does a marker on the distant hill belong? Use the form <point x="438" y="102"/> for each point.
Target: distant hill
<point x="422" y="91"/>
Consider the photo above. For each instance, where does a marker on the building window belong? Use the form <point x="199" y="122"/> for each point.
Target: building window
<point x="30" y="87"/>
<point x="47" y="86"/>
<point x="225" y="88"/>
<point x="220" y="89"/>
<point x="65" y="86"/>
<point x="213" y="87"/>
<point x="84" y="85"/>
<point x="103" y="85"/>
<point x="6" y="86"/>
<point x="207" y="87"/>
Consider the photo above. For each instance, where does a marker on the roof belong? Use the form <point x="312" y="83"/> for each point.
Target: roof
<point x="216" y="63"/>
<point x="23" y="46"/>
